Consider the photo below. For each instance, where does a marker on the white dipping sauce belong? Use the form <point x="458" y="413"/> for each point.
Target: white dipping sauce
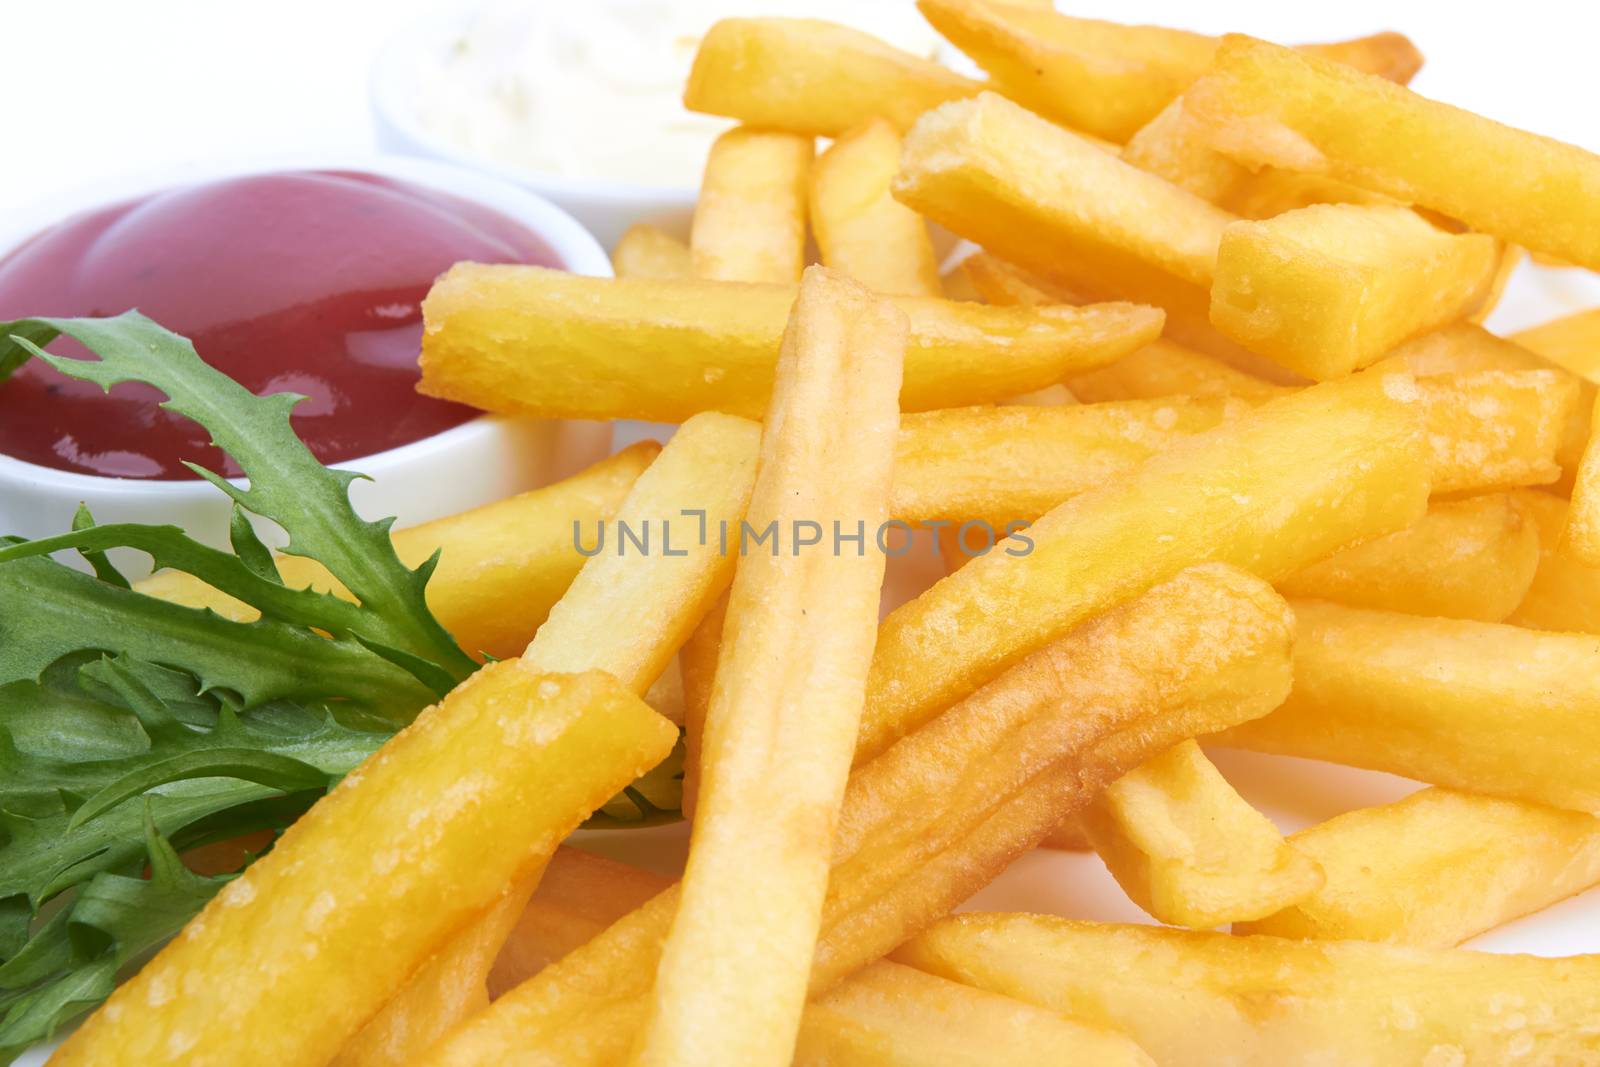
<point x="594" y="88"/>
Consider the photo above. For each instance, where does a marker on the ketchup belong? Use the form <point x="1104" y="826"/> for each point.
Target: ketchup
<point x="305" y="282"/>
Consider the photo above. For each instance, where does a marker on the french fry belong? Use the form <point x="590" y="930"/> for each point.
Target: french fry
<point x="1466" y="559"/>
<point x="886" y="1015"/>
<point x="1008" y="285"/>
<point x="450" y="987"/>
<point x="701" y="481"/>
<point x="1172" y="148"/>
<point x="699" y="657"/>
<point x="1565" y="595"/>
<point x="1581" y="539"/>
<point x="1437" y="868"/>
<point x="1263" y="104"/>
<point x="750" y="220"/>
<point x="1057" y="204"/>
<point x="1210" y="999"/>
<point x="890" y="1015"/>
<point x="1329" y="289"/>
<point x="1012" y="464"/>
<point x="1247" y="493"/>
<point x="1492" y="430"/>
<point x="531" y="341"/>
<point x="580" y="895"/>
<point x="707" y="471"/>
<point x="957" y="286"/>
<point x="860" y="228"/>
<point x="1510" y="258"/>
<point x="1477" y="706"/>
<point x="646" y="251"/>
<point x="941" y="813"/>
<point x="1103" y="78"/>
<point x="1037" y="195"/>
<point x="1163" y="368"/>
<point x="1070" y="836"/>
<point x="1486" y="432"/>
<point x="1465" y="347"/>
<point x="471" y="797"/>
<point x="1389" y="55"/>
<point x="1571" y="342"/>
<point x="1189" y="850"/>
<point x="812" y="77"/>
<point x="778" y="740"/>
<point x="501" y="566"/>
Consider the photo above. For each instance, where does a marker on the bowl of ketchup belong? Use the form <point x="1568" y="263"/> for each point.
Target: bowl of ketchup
<point x="301" y="276"/>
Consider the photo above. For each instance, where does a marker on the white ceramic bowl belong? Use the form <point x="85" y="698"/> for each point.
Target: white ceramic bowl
<point x="468" y="465"/>
<point x="607" y="208"/>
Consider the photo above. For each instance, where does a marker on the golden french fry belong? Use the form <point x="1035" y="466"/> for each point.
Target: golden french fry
<point x="647" y="251"/>
<point x="662" y="553"/>
<point x="1008" y="285"/>
<point x="1263" y="104"/>
<point x="1477" y="706"/>
<point x="1329" y="289"/>
<point x="1009" y="465"/>
<point x="1058" y="205"/>
<point x="1103" y="78"/>
<point x="1572" y="342"/>
<point x="890" y="1015"/>
<point x="1070" y="836"/>
<point x="1189" y="850"/>
<point x="1172" y="148"/>
<point x="531" y="341"/>
<point x="1273" y="192"/>
<point x="1464" y="348"/>
<point x="1510" y="258"/>
<point x="1389" y="55"/>
<point x="471" y="797"/>
<point x="940" y="814"/>
<point x="579" y="896"/>
<point x="1581" y="539"/>
<point x="957" y="286"/>
<point x="1496" y="429"/>
<point x="1163" y="368"/>
<point x="1273" y="491"/>
<point x="750" y="220"/>
<point x="1214" y="1000"/>
<point x="860" y="228"/>
<point x="501" y="566"/>
<point x="450" y="987"/>
<point x="1437" y="868"/>
<point x="699" y="657"/>
<point x="1037" y="195"/>
<point x="1466" y="559"/>
<point x="1565" y="595"/>
<point x="785" y="709"/>
<point x="813" y="77"/>
<point x="886" y="1015"/>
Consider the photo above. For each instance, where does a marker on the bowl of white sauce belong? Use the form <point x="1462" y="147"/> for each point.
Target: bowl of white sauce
<point x="581" y="102"/>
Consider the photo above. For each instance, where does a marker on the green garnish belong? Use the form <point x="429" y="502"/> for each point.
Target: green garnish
<point x="132" y="728"/>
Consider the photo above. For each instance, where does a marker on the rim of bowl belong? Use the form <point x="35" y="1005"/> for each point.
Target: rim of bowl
<point x="574" y="247"/>
<point x="390" y="83"/>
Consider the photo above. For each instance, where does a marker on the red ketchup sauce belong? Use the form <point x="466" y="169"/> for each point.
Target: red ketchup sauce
<point x="304" y="282"/>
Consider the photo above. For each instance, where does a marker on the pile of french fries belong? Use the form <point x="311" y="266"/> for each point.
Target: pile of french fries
<point x="1211" y="376"/>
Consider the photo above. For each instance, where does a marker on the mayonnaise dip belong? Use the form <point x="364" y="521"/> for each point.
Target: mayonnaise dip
<point x="593" y="88"/>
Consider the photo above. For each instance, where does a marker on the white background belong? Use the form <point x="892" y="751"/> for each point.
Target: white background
<point x="98" y="87"/>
